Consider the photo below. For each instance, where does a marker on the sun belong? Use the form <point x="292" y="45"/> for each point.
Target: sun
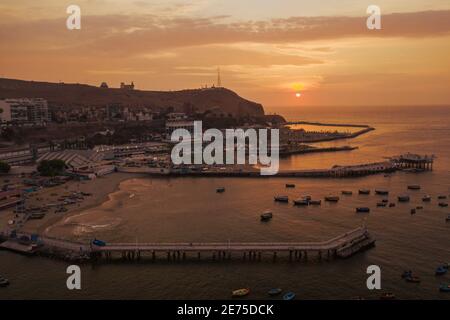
<point x="298" y="95"/>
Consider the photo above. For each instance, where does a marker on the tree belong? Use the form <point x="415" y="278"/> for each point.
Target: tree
<point x="51" y="168"/>
<point x="4" y="167"/>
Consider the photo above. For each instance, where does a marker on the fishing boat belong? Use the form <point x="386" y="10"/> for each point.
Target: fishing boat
<point x="220" y="190"/>
<point x="419" y="208"/>
<point x="347" y="193"/>
<point x="381" y="204"/>
<point x="274" y="291"/>
<point x="426" y="198"/>
<point x="448" y="218"/>
<point x="382" y="192"/>
<point x="3" y="282"/>
<point x="281" y="198"/>
<point x="289" y="296"/>
<point x="315" y="202"/>
<point x="363" y="210"/>
<point x="301" y="202"/>
<point x="413" y="211"/>
<point x="266" y="216"/>
<point x="240" y="292"/>
<point x="391" y="205"/>
<point x="37" y="215"/>
<point x="443" y="204"/>
<point x="387" y="296"/>
<point x="414" y="187"/>
<point x="441" y="270"/>
<point x="364" y="191"/>
<point x="442" y="197"/>
<point x="444" y="288"/>
<point x="403" y="198"/>
<point x="290" y="185"/>
<point x="385" y="200"/>
<point x="332" y="198"/>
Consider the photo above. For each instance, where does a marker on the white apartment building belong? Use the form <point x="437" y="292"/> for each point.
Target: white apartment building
<point x="32" y="111"/>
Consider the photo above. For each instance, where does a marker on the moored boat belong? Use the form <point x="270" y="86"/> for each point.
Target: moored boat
<point x="274" y="291"/>
<point x="441" y="270"/>
<point x="413" y="211"/>
<point x="363" y="210"/>
<point x="315" y="202"/>
<point x="381" y="204"/>
<point x="364" y="191"/>
<point x="442" y="197"/>
<point x="301" y="202"/>
<point x="391" y="205"/>
<point x="281" y="198"/>
<point x="220" y="190"/>
<point x="443" y="204"/>
<point x="289" y="296"/>
<point x="290" y="185"/>
<point x="332" y="198"/>
<point x="448" y="218"/>
<point x="3" y="282"/>
<point x="240" y="292"/>
<point x="347" y="193"/>
<point x="412" y="279"/>
<point x="414" y="187"/>
<point x="266" y="216"/>
<point x="403" y="198"/>
<point x="426" y="198"/>
<point x="382" y="192"/>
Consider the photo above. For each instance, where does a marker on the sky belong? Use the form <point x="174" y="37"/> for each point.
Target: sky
<point x="276" y="52"/>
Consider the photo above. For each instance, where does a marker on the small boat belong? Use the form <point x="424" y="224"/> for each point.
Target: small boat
<point x="426" y="198"/>
<point x="412" y="279"/>
<point x="419" y="208"/>
<point x="413" y="211"/>
<point x="301" y="202"/>
<point x="4" y="282"/>
<point x="448" y="218"/>
<point x="364" y="191"/>
<point x="443" y="204"/>
<point x="281" y="198"/>
<point x="289" y="296"/>
<point x="266" y="216"/>
<point x="391" y="205"/>
<point x="290" y="185"/>
<point x="347" y="193"/>
<point x="441" y="270"/>
<point x="385" y="200"/>
<point x="442" y="197"/>
<point x="381" y="204"/>
<point x="220" y="190"/>
<point x="403" y="198"/>
<point x="414" y="187"/>
<point x="444" y="288"/>
<point x="315" y="202"/>
<point x="382" y="192"/>
<point x="37" y="215"/>
<point x="332" y="198"/>
<point x="363" y="210"/>
<point x="274" y="291"/>
<point x="387" y="296"/>
<point x="240" y="292"/>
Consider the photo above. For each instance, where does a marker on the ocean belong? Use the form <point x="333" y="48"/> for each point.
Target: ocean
<point x="189" y="210"/>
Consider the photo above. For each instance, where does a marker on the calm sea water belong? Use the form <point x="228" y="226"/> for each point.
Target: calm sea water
<point x="189" y="209"/>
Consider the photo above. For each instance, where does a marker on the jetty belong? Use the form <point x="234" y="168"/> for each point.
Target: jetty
<point x="342" y="246"/>
<point x="414" y="161"/>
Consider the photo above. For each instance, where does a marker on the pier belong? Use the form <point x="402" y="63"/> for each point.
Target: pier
<point x="414" y="161"/>
<point x="342" y="246"/>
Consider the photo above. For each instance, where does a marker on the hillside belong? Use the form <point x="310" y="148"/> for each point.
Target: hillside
<point x="67" y="95"/>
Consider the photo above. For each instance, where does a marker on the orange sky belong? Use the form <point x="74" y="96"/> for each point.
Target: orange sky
<point x="267" y="50"/>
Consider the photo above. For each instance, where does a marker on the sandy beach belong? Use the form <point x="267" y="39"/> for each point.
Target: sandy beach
<point x="99" y="189"/>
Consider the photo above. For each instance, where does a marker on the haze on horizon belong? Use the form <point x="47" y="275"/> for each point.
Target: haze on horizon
<point x="267" y="50"/>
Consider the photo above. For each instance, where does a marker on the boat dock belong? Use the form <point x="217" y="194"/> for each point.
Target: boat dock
<point x="342" y="246"/>
<point x="414" y="161"/>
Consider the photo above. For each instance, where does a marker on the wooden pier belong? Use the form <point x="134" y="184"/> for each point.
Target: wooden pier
<point x="341" y="246"/>
<point x="414" y="161"/>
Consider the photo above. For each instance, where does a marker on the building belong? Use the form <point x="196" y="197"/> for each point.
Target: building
<point x="104" y="85"/>
<point x="171" y="126"/>
<point x="22" y="111"/>
<point x="125" y="86"/>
